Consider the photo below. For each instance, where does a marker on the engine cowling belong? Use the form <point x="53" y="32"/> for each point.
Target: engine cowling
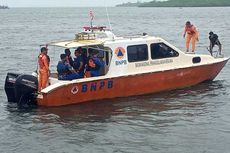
<point x="21" y="88"/>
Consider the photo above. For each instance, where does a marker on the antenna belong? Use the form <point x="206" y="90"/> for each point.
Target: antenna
<point x="110" y="27"/>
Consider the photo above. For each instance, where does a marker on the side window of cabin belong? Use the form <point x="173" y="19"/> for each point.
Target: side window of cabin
<point x="108" y="55"/>
<point x="161" y="50"/>
<point x="137" y="53"/>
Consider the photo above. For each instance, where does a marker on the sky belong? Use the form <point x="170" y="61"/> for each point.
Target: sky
<point x="64" y="3"/>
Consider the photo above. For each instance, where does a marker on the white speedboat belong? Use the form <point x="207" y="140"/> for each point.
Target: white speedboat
<point x="133" y="66"/>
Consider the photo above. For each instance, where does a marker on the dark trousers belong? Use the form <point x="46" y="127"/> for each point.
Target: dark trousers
<point x="212" y="44"/>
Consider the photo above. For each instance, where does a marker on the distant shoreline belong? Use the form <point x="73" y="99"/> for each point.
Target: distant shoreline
<point x="172" y="6"/>
<point x="179" y="3"/>
<point x="67" y="7"/>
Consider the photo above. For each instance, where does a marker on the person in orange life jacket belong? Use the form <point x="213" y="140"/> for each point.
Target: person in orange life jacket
<point x="78" y="63"/>
<point x="69" y="59"/>
<point x="192" y="34"/>
<point x="214" y="41"/>
<point x="43" y="62"/>
<point x="65" y="71"/>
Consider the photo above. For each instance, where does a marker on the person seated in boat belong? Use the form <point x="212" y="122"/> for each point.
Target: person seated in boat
<point x="65" y="71"/>
<point x="213" y="38"/>
<point x="83" y="52"/>
<point x="78" y="63"/>
<point x="68" y="54"/>
<point x="94" y="65"/>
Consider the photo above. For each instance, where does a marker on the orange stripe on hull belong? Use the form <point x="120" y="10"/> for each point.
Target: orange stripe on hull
<point x="130" y="85"/>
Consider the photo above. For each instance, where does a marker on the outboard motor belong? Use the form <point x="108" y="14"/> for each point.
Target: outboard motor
<point x="21" y="88"/>
<point x="10" y="86"/>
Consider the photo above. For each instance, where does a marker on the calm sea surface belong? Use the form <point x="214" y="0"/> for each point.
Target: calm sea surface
<point x="192" y="120"/>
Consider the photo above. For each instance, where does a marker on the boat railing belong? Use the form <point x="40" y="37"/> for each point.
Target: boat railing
<point x="135" y="35"/>
<point x="85" y="36"/>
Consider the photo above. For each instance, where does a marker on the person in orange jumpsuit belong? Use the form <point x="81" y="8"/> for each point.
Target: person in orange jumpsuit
<point x="192" y="34"/>
<point x="43" y="62"/>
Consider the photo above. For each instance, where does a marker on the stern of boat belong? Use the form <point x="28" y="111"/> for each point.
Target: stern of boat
<point x="21" y="88"/>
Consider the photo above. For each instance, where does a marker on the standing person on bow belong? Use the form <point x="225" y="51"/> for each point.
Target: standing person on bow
<point x="213" y="38"/>
<point x="192" y="34"/>
<point x="43" y="62"/>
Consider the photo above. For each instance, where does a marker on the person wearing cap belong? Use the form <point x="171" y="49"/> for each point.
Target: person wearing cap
<point x="65" y="71"/>
<point x="43" y="63"/>
<point x="214" y="41"/>
<point x="192" y="34"/>
<point x="68" y="54"/>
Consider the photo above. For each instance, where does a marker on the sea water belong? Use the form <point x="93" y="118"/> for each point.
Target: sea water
<point x="191" y="120"/>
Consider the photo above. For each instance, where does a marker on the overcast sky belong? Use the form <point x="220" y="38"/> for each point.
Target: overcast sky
<point x="64" y="3"/>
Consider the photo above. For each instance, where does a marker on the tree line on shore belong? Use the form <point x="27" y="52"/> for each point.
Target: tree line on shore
<point x="179" y="3"/>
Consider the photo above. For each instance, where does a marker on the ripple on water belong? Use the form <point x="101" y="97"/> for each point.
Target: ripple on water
<point x="194" y="119"/>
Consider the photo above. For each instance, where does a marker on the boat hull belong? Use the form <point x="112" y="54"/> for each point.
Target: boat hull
<point x="125" y="86"/>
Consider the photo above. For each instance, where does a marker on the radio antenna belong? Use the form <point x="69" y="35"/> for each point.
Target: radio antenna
<point x="110" y="27"/>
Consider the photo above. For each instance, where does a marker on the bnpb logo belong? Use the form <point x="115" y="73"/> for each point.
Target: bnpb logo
<point x="120" y="52"/>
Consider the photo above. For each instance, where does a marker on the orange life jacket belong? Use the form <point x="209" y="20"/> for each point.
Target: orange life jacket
<point x="43" y="62"/>
<point x="190" y="30"/>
